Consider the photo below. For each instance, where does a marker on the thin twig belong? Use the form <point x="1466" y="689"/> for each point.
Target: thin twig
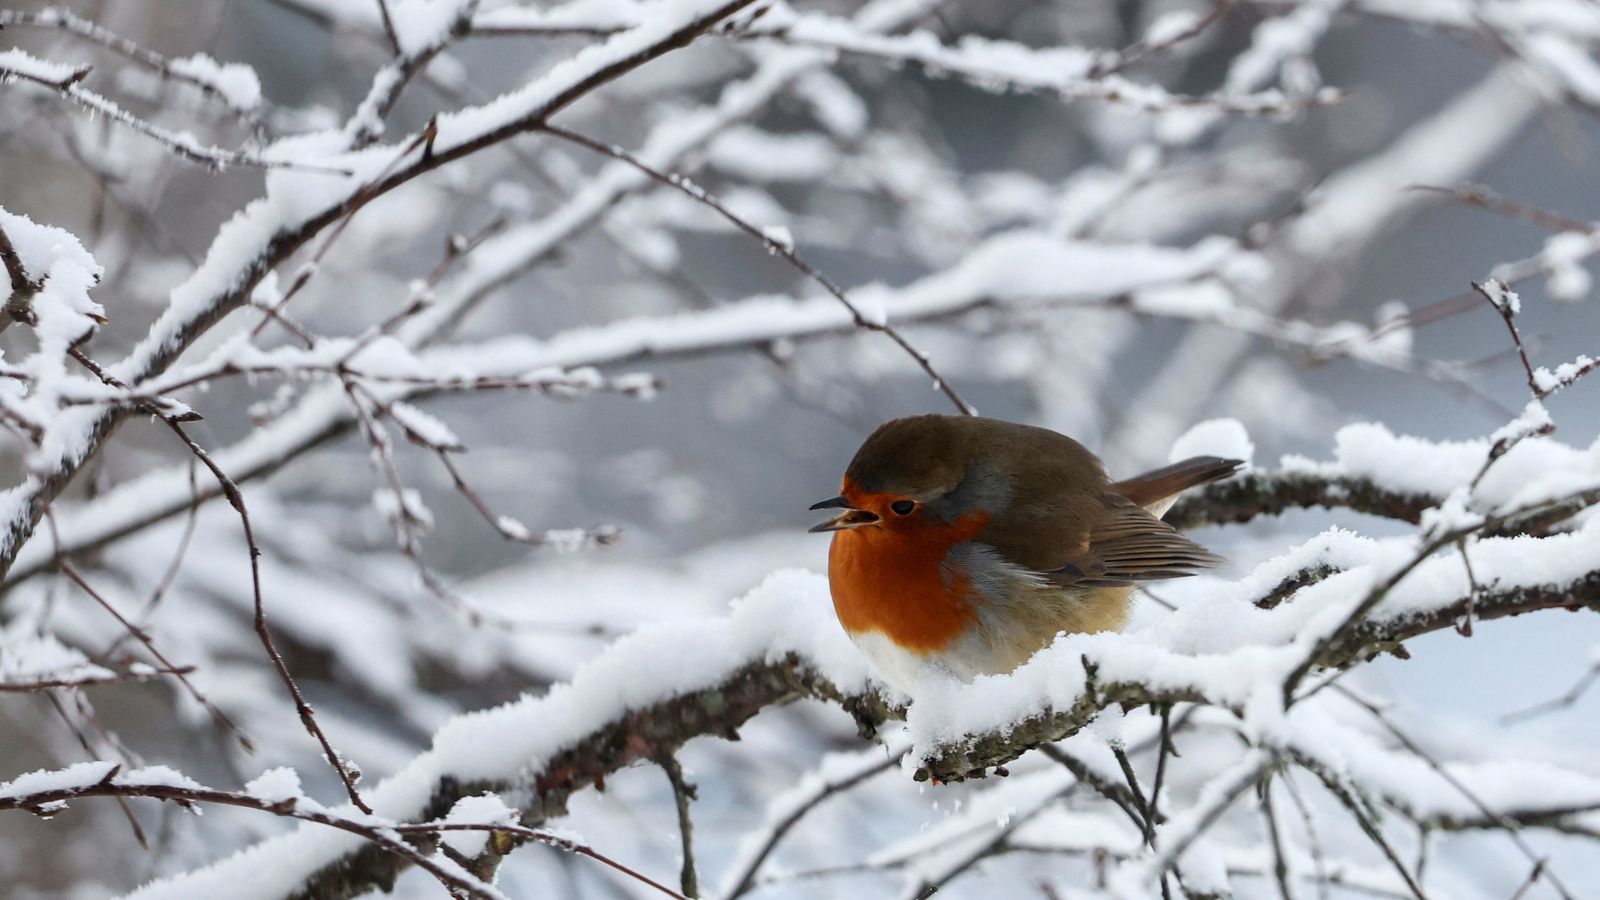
<point x="1370" y="828"/>
<point x="1280" y="868"/>
<point x="776" y="247"/>
<point x="1507" y="824"/>
<point x="44" y="802"/>
<point x="1571" y="696"/>
<point x="1483" y="198"/>
<point x="307" y="714"/>
<point x="745" y="880"/>
<point x="235" y="497"/>
<point x="682" y="793"/>
<point x="388" y="27"/>
<point x="221" y="718"/>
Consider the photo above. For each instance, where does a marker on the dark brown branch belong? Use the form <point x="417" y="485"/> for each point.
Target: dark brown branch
<point x="17" y="305"/>
<point x="263" y="631"/>
<point x="1258" y="494"/>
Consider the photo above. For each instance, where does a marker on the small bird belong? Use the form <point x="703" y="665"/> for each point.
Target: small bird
<point x="964" y="545"/>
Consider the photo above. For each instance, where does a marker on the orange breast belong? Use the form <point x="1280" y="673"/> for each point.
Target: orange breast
<point x="889" y="581"/>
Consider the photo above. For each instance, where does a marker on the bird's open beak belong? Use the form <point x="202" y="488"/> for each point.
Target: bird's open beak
<point x="850" y="518"/>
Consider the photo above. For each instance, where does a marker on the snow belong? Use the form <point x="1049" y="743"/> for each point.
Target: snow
<point x="27" y="657"/>
<point x="513" y="528"/>
<point x="1502" y="296"/>
<point x="235" y="82"/>
<point x="76" y="776"/>
<point x="422" y="24"/>
<point x="1564" y="253"/>
<point x="41" y="248"/>
<point x="403" y="507"/>
<point x="84" y="775"/>
<point x="789" y="612"/>
<point x="485" y="809"/>
<point x="779" y="235"/>
<point x="1170" y="26"/>
<point x="276" y="785"/>
<point x="423" y="427"/>
<point x="1226" y="438"/>
<point x="15" y="63"/>
<point x="1535" y="468"/>
<point x="1563" y="375"/>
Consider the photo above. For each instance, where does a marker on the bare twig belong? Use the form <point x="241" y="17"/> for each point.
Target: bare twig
<point x="1510" y="827"/>
<point x="682" y="794"/>
<point x="1280" y="868"/>
<point x="179" y="672"/>
<point x="388" y="26"/>
<point x="1483" y="198"/>
<point x="742" y="881"/>
<point x="1571" y="696"/>
<point x="778" y="248"/>
<point x="1357" y="811"/>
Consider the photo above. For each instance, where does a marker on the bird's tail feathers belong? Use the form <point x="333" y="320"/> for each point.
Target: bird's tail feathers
<point x="1158" y="489"/>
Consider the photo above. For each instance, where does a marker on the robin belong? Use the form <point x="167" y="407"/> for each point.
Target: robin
<point x="964" y="545"/>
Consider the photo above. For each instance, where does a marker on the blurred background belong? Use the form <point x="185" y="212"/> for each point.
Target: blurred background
<point x="884" y="174"/>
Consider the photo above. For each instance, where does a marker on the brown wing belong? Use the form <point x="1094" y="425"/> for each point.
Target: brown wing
<point x="1128" y="545"/>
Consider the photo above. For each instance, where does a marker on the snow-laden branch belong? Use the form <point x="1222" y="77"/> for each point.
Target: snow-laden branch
<point x="1377" y="472"/>
<point x="462" y="832"/>
<point x="67" y="80"/>
<point x="1067" y="73"/>
<point x="1015" y="267"/>
<point x="232" y="84"/>
<point x="644" y="696"/>
<point x="299" y="206"/>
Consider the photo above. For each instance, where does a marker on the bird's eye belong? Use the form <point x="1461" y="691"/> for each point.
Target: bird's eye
<point x="903" y="507"/>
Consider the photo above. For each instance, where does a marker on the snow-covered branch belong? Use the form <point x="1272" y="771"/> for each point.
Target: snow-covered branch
<point x="642" y="698"/>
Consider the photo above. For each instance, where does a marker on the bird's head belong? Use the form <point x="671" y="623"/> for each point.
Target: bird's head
<point x="919" y="473"/>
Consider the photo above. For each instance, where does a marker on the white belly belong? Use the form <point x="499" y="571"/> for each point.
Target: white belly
<point x="904" y="669"/>
<point x="899" y="668"/>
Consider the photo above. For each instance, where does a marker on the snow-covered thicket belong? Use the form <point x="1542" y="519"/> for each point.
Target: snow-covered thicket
<point x="411" y="405"/>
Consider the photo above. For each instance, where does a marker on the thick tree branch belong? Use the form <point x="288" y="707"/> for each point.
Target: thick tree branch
<point x="647" y="732"/>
